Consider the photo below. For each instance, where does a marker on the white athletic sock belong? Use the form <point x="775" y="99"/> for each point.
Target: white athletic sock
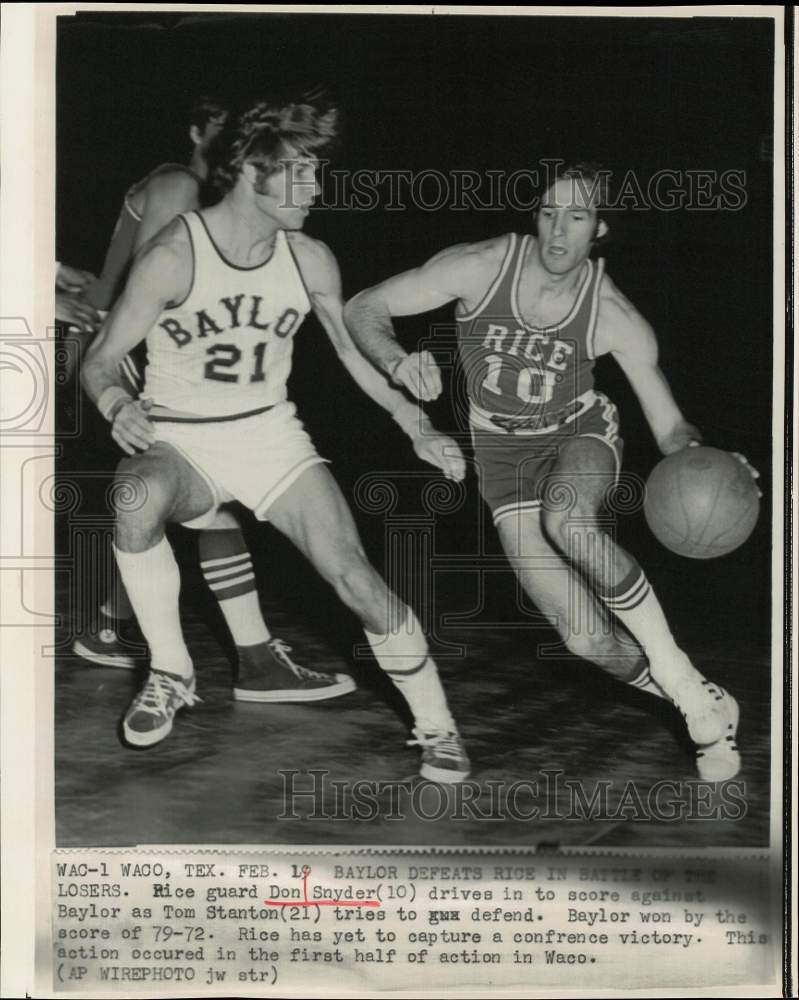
<point x="635" y="605"/>
<point x="243" y="617"/>
<point x="404" y="656"/>
<point x="152" y="580"/>
<point x="643" y="682"/>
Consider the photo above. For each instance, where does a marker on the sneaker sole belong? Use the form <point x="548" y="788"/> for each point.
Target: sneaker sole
<point x="146" y="739"/>
<point x="103" y="659"/>
<point x="287" y="695"/>
<point x="441" y="775"/>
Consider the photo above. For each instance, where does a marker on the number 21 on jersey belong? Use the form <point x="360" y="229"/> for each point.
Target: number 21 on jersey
<point x="223" y="357"/>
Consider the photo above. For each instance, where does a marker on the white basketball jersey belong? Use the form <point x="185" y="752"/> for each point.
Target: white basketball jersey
<point x="226" y="349"/>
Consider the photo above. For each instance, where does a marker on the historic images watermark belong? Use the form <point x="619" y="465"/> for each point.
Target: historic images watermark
<point x="548" y="794"/>
<point x="668" y="189"/>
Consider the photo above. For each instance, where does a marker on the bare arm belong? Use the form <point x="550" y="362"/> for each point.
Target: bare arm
<point x="461" y="272"/>
<point x="160" y="275"/>
<point x="323" y="280"/>
<point x="166" y="196"/>
<point x="623" y="332"/>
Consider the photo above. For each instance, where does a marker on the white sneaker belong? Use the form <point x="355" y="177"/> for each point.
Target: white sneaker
<point x="444" y="758"/>
<point x="720" y="760"/>
<point x="704" y="707"/>
<point x="150" y="715"/>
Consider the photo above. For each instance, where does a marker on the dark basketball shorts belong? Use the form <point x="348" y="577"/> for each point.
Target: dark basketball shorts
<point x="514" y="468"/>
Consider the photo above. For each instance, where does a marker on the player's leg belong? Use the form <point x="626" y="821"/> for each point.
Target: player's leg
<point x="226" y="565"/>
<point x="315" y="516"/>
<point x="157" y="487"/>
<point x="110" y="638"/>
<point x="562" y="596"/>
<point x="265" y="671"/>
<point x="585" y="470"/>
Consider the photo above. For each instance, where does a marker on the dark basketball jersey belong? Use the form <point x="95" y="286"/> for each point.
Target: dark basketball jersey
<point x="104" y="292"/>
<point x="521" y="376"/>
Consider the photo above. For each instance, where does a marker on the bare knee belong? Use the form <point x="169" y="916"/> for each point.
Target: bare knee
<point x="142" y="497"/>
<point x="573" y="528"/>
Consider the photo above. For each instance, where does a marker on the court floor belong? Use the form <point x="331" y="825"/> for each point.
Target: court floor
<point x="223" y="775"/>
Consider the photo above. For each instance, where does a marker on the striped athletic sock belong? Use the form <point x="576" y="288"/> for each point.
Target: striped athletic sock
<point x="634" y="603"/>
<point x="226" y="564"/>
<point x="404" y="656"/>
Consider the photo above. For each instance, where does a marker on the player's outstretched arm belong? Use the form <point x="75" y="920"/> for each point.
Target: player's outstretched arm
<point x="623" y="332"/>
<point x="160" y="275"/>
<point x="322" y="278"/>
<point x="453" y="274"/>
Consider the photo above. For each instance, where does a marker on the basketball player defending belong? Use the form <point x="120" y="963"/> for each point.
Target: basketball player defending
<point x="219" y="295"/>
<point x="266" y="672"/>
<point x="532" y="315"/>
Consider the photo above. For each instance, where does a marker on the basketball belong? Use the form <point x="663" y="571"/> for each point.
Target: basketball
<point x="701" y="503"/>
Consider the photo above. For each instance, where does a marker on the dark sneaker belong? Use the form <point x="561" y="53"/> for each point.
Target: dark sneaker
<point x="110" y="643"/>
<point x="720" y="760"/>
<point x="444" y="758"/>
<point x="278" y="678"/>
<point x="149" y="718"/>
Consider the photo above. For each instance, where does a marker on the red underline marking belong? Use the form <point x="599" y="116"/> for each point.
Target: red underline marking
<point x="306" y="871"/>
<point x="321" y="902"/>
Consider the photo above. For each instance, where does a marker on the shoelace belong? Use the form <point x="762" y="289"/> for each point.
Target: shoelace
<point x="713" y="689"/>
<point x="445" y="744"/>
<point x="159" y="688"/>
<point x="281" y="650"/>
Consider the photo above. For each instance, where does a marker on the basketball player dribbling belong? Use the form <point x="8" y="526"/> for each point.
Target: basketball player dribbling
<point x="533" y="314"/>
<point x="265" y="671"/>
<point x="219" y="295"/>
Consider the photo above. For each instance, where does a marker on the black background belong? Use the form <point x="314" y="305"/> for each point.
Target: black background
<point x="485" y="93"/>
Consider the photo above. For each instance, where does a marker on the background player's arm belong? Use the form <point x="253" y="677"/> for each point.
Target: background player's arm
<point x="460" y="272"/>
<point x="622" y="331"/>
<point x="165" y="196"/>
<point x="72" y="279"/>
<point x="160" y="275"/>
<point x="322" y="279"/>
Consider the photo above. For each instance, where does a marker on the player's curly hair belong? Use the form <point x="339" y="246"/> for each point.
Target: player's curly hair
<point x="206" y="108"/>
<point x="267" y="133"/>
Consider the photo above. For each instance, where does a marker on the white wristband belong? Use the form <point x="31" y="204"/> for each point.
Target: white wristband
<point x="111" y="399"/>
<point x="409" y="418"/>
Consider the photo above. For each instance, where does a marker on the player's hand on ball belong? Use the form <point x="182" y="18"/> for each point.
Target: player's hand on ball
<point x="684" y="435"/>
<point x="72" y="279"/>
<point x="74" y="312"/>
<point x="749" y="468"/>
<point x="443" y="452"/>
<point x="131" y="428"/>
<point x="419" y="374"/>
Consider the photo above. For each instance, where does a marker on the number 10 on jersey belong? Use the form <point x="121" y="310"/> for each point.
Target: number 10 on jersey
<point x="533" y="385"/>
